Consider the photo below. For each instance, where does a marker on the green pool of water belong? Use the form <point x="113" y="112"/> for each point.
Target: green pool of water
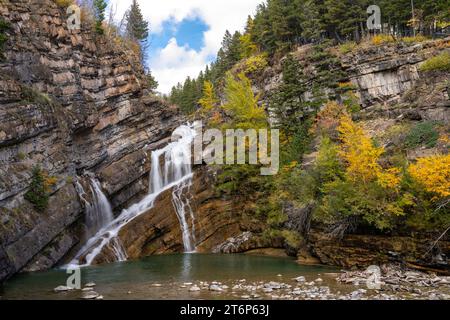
<point x="163" y="277"/>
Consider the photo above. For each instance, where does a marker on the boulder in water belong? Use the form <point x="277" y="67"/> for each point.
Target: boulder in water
<point x="62" y="289"/>
<point x="215" y="287"/>
<point x="194" y="289"/>
<point x="91" y="295"/>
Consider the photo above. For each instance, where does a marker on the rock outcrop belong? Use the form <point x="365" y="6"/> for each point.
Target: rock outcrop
<point x="71" y="102"/>
<point x="363" y="250"/>
<point x="158" y="230"/>
<point x="392" y="90"/>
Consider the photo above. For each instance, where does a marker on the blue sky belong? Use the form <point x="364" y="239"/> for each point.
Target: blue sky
<point x="186" y="34"/>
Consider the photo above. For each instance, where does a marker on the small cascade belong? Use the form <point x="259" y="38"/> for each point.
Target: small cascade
<point x="176" y="174"/>
<point x="99" y="214"/>
<point x="181" y="202"/>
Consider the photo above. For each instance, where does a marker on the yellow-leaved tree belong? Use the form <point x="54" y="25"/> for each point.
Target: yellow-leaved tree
<point x="208" y="100"/>
<point x="433" y="173"/>
<point x="361" y="156"/>
<point x="242" y="103"/>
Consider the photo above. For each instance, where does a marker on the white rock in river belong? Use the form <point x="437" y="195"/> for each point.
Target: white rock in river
<point x="300" y="279"/>
<point x="87" y="289"/>
<point x="90" y="295"/>
<point x="90" y="284"/>
<point x="215" y="287"/>
<point x="62" y="289"/>
<point x="194" y="289"/>
<point x="358" y="293"/>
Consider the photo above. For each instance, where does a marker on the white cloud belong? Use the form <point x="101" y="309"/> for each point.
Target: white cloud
<point x="174" y="63"/>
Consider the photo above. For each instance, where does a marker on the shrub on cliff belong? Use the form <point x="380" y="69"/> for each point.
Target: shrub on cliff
<point x="433" y="173"/>
<point x="4" y="26"/>
<point x="39" y="190"/>
<point x="255" y="64"/>
<point x="64" y="3"/>
<point x="440" y="62"/>
<point x="423" y="133"/>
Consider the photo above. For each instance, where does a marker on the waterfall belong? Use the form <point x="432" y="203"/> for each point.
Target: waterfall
<point x="99" y="214"/>
<point x="175" y="173"/>
<point x="181" y="202"/>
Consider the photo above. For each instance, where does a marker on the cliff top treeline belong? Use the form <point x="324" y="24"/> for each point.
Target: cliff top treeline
<point x="280" y="25"/>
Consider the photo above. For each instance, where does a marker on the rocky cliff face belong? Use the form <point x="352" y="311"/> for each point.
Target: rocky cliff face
<point x="158" y="230"/>
<point x="72" y="102"/>
<point x="390" y="84"/>
<point x="391" y="91"/>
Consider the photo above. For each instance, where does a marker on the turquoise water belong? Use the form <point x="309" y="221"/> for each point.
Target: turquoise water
<point x="162" y="277"/>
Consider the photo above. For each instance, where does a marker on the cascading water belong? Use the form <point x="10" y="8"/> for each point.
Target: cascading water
<point x="176" y="173"/>
<point x="181" y="202"/>
<point x="99" y="214"/>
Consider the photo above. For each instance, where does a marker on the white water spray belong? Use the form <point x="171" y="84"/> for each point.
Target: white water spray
<point x="176" y="173"/>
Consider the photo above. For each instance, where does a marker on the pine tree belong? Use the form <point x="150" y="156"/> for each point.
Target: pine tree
<point x="136" y="26"/>
<point x="287" y="102"/>
<point x="99" y="7"/>
<point x="262" y="32"/>
<point x="345" y="18"/>
<point x="311" y="22"/>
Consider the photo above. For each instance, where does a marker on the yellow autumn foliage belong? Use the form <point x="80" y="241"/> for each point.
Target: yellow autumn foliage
<point x="359" y="152"/>
<point x="361" y="157"/>
<point x="208" y="100"/>
<point x="389" y="178"/>
<point x="433" y="173"/>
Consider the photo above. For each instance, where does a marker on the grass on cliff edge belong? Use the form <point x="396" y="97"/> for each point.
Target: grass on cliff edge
<point x="440" y="62"/>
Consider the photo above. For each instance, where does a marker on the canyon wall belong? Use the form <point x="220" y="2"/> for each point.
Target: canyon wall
<point x="72" y="102"/>
<point x="391" y="91"/>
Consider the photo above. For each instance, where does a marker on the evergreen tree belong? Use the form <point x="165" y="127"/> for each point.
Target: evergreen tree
<point x="311" y="23"/>
<point x="287" y="102"/>
<point x="262" y="32"/>
<point x="99" y="7"/>
<point x="152" y="84"/>
<point x="346" y="18"/>
<point x="136" y="26"/>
